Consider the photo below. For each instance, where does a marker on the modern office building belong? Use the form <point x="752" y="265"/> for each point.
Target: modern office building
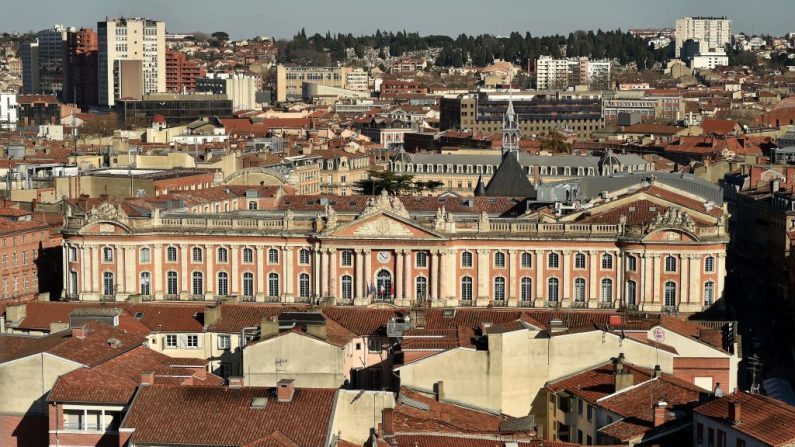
<point x="43" y="62"/>
<point x="175" y="108"/>
<point x="710" y="32"/>
<point x="122" y="40"/>
<point x="290" y="79"/>
<point x="239" y="88"/>
<point x="80" y="67"/>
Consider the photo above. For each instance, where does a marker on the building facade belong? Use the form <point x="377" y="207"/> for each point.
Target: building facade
<point x="122" y="40"/>
<point x="290" y="79"/>
<point x="181" y="73"/>
<point x="43" y="62"/>
<point x="240" y="89"/>
<point x="80" y="70"/>
<point x="710" y="32"/>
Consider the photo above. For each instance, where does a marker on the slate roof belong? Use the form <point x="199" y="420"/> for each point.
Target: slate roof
<point x="510" y="180"/>
<point x="224" y="416"/>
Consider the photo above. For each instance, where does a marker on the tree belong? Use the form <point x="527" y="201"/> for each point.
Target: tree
<point x="219" y="38"/>
<point x="393" y="183"/>
<point x="555" y="143"/>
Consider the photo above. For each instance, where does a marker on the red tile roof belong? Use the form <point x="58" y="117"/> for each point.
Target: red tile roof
<point x="225" y="416"/>
<point x="449" y="440"/>
<point x="763" y="418"/>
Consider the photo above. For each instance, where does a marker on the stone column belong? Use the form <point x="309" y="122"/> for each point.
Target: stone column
<point x="209" y="272"/>
<point x="540" y="264"/>
<point x="566" y="286"/>
<point x="332" y="260"/>
<point x="656" y="280"/>
<point x="368" y="268"/>
<point x="399" y="273"/>
<point x="96" y="279"/>
<point x="85" y="270"/>
<point x="157" y="272"/>
<point x="433" y="273"/>
<point x="513" y="279"/>
<point x="259" y="283"/>
<point x="647" y="295"/>
<point x="442" y="270"/>
<point x="317" y="279"/>
<point x="483" y="274"/>
<point x="359" y="274"/>
<point x="65" y="274"/>
<point x="184" y="272"/>
<point x="685" y="287"/>
<point x="324" y="269"/>
<point x="720" y="269"/>
<point x="234" y="271"/>
<point x="408" y="291"/>
<point x="126" y="278"/>
<point x="620" y="287"/>
<point x="289" y="275"/>
<point x="593" y="265"/>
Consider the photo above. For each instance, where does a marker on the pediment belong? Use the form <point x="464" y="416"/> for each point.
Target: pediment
<point x="383" y="225"/>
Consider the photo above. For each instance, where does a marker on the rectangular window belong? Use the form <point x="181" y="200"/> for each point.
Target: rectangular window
<point x="711" y="437"/>
<point x="721" y="438"/>
<point x="224" y="341"/>
<point x="347" y="258"/>
<point x="699" y="433"/>
<point x="590" y="413"/>
<point x="171" y="341"/>
<point x="374" y="344"/>
<point x="193" y="341"/>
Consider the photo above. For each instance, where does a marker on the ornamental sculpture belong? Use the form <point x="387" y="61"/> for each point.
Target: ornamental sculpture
<point x="387" y="203"/>
<point x="106" y="211"/>
<point x="673" y="218"/>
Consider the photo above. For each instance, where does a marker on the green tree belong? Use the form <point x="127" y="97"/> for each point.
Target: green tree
<point x="393" y="183"/>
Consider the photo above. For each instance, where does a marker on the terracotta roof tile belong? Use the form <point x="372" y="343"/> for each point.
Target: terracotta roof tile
<point x="763" y="418"/>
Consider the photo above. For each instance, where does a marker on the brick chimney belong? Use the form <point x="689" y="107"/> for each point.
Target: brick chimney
<point x="388" y="421"/>
<point x="439" y="388"/>
<point x="735" y="412"/>
<point x="147" y="378"/>
<point x="285" y="390"/>
<point x="78" y="332"/>
<point x="659" y="413"/>
<point x="623" y="377"/>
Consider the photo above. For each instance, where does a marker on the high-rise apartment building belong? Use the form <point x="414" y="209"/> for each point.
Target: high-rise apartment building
<point x="239" y="88"/>
<point x="132" y="58"/>
<point x="709" y="32"/>
<point x="291" y="78"/>
<point x="42" y="62"/>
<point x="181" y="73"/>
<point x="80" y="67"/>
<point x="569" y="72"/>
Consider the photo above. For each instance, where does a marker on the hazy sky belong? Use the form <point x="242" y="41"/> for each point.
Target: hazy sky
<point x="282" y="18"/>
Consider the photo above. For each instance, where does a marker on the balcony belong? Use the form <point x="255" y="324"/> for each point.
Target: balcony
<point x="147" y="297"/>
<point x="500" y="303"/>
<point x="466" y="303"/>
<point x="107" y="298"/>
<point x="605" y="305"/>
<point x="525" y="303"/>
<point x="553" y="304"/>
<point x="247" y="299"/>
<point x="579" y="305"/>
<point x="171" y="297"/>
<point x="195" y="297"/>
<point x="273" y="299"/>
<point x="303" y="299"/>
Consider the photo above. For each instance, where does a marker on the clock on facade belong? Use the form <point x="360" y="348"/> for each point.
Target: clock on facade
<point x="383" y="257"/>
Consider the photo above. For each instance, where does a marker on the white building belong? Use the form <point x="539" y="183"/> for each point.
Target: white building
<point x="357" y="80"/>
<point x="131" y="40"/>
<point x="710" y="32"/>
<point x="9" y="113"/>
<point x="569" y="72"/>
<point x="241" y="89"/>
<point x="710" y="60"/>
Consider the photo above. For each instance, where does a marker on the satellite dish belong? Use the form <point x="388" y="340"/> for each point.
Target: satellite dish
<point x="140" y="193"/>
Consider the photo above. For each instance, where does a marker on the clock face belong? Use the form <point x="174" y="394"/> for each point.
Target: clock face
<point x="383" y="257"/>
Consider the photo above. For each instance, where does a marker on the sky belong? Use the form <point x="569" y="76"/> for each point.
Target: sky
<point x="282" y="18"/>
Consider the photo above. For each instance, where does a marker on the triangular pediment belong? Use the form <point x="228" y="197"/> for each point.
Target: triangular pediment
<point x="383" y="225"/>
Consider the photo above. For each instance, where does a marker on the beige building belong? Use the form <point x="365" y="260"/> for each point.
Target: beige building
<point x="709" y="32"/>
<point x="122" y="41"/>
<point x="291" y="78"/>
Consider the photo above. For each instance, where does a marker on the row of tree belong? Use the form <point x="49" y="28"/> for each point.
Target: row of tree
<point x="480" y="50"/>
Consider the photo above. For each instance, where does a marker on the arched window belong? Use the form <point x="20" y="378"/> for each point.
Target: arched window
<point x="198" y="283"/>
<point x="553" y="260"/>
<point x="527" y="260"/>
<point x="145" y="283"/>
<point x="670" y="293"/>
<point x="579" y="261"/>
<point x="607" y="290"/>
<point x="709" y="264"/>
<point x="466" y="288"/>
<point x="223" y="255"/>
<point x="499" y="288"/>
<point x="197" y="254"/>
<point x="252" y="205"/>
<point x="248" y="256"/>
<point x="499" y="259"/>
<point x="145" y="255"/>
<point x="107" y="283"/>
<point x="421" y="288"/>
<point x="526" y="289"/>
<point x="273" y="284"/>
<point x="273" y="256"/>
<point x="223" y="283"/>
<point x="632" y="298"/>
<point x="248" y="284"/>
<point x="383" y="285"/>
<point x="171" y="254"/>
<point x="607" y="261"/>
<point x="670" y="264"/>
<point x="709" y="293"/>
<point x="579" y="290"/>
<point x="303" y="256"/>
<point x="632" y="263"/>
<point x="172" y="287"/>
<point x="553" y="289"/>
<point x="107" y="254"/>
<point x="347" y="287"/>
<point x="466" y="259"/>
<point x="303" y="285"/>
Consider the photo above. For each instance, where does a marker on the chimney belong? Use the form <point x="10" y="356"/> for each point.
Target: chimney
<point x="388" y="421"/>
<point x="623" y="377"/>
<point x="147" y="378"/>
<point x="16" y="313"/>
<point x="58" y="326"/>
<point x="235" y="382"/>
<point x="268" y="328"/>
<point x="735" y="412"/>
<point x="439" y="391"/>
<point x="657" y="371"/>
<point x="317" y="330"/>
<point x="211" y="315"/>
<point x="285" y="390"/>
<point x="78" y="332"/>
<point x="659" y="413"/>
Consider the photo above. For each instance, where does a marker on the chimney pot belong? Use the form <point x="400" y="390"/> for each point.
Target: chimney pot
<point x="659" y="413"/>
<point x="285" y="390"/>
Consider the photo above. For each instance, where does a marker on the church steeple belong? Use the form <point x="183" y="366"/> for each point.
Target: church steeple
<point x="510" y="127"/>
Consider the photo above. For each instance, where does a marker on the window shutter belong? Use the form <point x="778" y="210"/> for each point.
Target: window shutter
<point x="199" y="341"/>
<point x="182" y="341"/>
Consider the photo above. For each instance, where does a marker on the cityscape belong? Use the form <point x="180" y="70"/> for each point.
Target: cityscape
<point x="396" y="238"/>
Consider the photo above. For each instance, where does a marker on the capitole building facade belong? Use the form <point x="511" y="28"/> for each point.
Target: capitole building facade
<point x="650" y="247"/>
